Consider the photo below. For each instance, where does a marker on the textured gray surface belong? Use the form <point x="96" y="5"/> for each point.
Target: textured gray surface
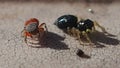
<point x="60" y="50"/>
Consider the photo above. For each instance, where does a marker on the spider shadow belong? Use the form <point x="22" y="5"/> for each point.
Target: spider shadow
<point x="53" y="41"/>
<point x="100" y="38"/>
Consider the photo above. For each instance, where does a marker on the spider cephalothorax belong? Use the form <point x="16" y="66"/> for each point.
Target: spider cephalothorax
<point x="85" y="25"/>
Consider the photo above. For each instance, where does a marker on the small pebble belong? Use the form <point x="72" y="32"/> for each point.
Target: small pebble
<point x="90" y="10"/>
<point x="80" y="52"/>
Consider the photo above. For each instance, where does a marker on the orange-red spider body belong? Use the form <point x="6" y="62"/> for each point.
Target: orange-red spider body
<point x="32" y="27"/>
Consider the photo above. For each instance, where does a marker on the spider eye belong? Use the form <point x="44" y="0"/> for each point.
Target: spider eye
<point x="81" y="23"/>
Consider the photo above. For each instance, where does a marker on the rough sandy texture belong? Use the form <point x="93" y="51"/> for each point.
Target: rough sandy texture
<point x="60" y="50"/>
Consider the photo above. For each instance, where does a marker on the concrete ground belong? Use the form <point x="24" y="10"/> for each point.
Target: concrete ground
<point x="60" y="49"/>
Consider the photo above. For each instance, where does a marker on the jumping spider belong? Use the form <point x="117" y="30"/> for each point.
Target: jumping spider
<point x="70" y="25"/>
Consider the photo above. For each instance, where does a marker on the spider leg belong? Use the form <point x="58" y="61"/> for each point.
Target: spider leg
<point x="101" y="27"/>
<point x="42" y="32"/>
<point x="69" y="31"/>
<point x="93" y="29"/>
<point x="44" y="25"/>
<point x="26" y="34"/>
<point x="22" y="33"/>
<point x="79" y="36"/>
<point x="87" y="37"/>
<point x="73" y="32"/>
<point x="25" y="39"/>
<point x="32" y="39"/>
<point x="46" y="28"/>
<point x="41" y="29"/>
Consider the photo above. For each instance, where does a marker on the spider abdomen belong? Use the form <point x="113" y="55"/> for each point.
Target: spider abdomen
<point x="66" y="21"/>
